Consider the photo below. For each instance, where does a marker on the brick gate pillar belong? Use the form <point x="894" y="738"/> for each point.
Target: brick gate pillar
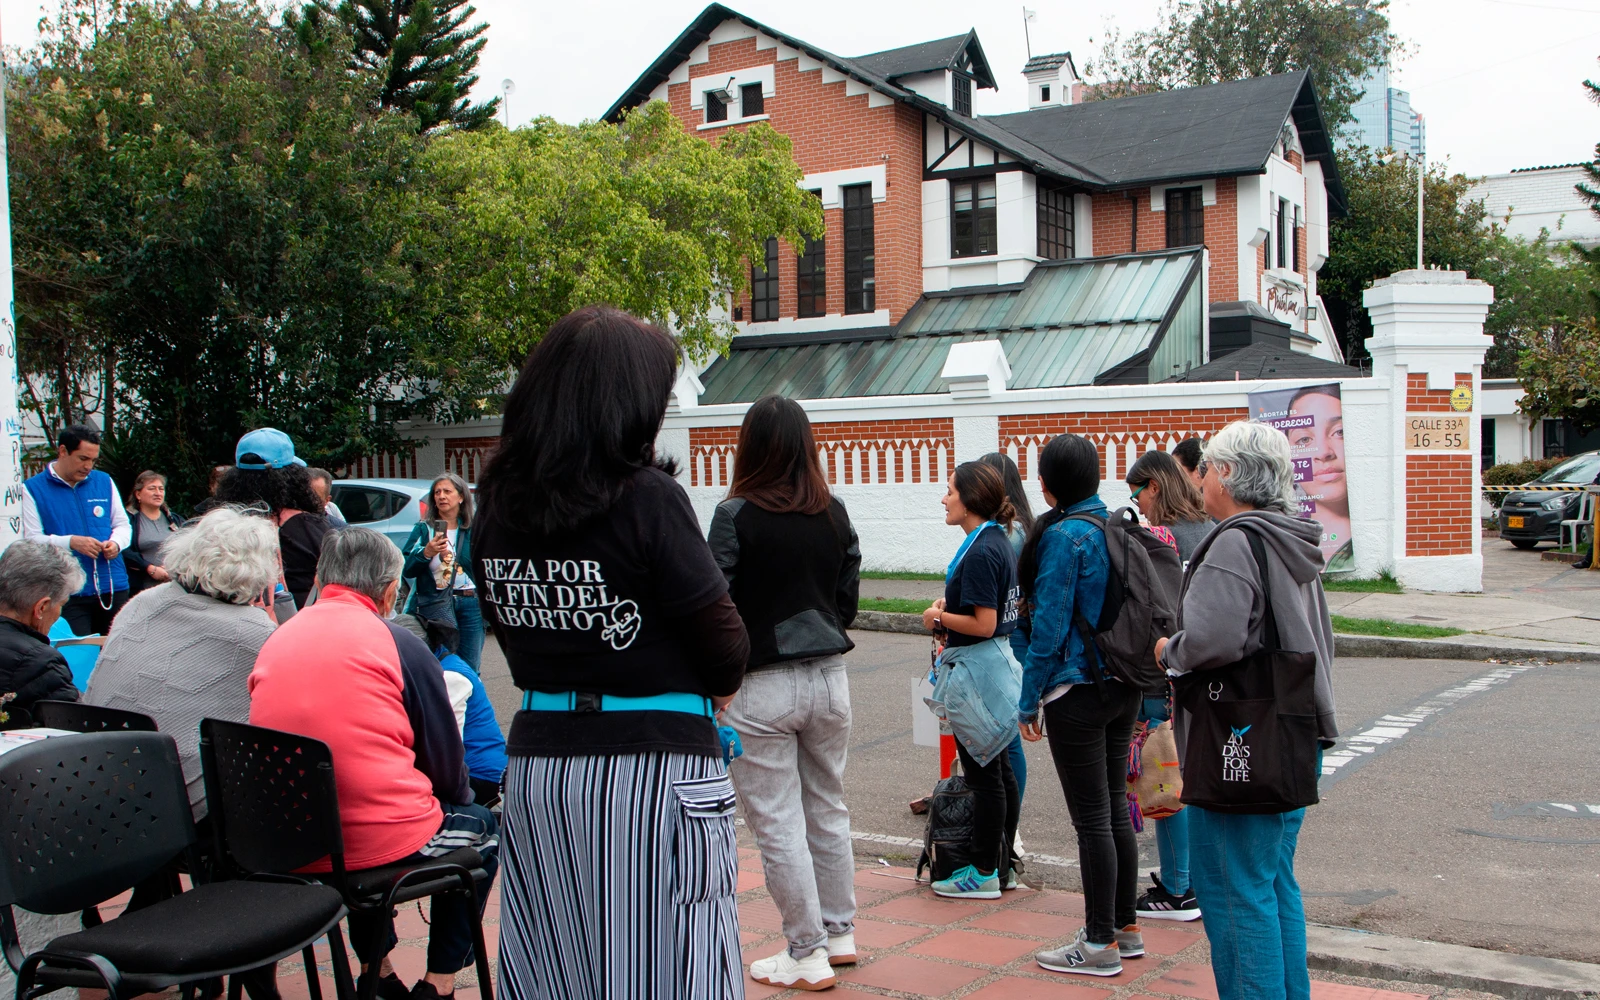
<point x="1428" y="345"/>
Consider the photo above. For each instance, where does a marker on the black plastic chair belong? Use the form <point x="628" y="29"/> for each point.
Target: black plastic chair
<point x="77" y="717"/>
<point x="85" y="817"/>
<point x="274" y="807"/>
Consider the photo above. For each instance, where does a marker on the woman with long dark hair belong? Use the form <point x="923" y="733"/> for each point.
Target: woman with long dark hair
<point x="439" y="565"/>
<point x="1173" y="509"/>
<point x="793" y="564"/>
<point x="976" y="679"/>
<point x="1067" y="693"/>
<point x="618" y="841"/>
<point x="1011" y="476"/>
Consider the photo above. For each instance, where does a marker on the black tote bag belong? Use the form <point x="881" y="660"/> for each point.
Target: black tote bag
<point x="1251" y="745"/>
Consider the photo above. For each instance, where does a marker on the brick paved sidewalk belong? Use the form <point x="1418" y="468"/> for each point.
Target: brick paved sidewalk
<point x="914" y="944"/>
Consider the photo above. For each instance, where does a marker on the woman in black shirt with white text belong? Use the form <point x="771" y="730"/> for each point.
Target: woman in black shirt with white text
<point x="618" y="842"/>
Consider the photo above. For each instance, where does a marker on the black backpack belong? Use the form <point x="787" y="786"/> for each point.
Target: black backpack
<point x="1141" y="603"/>
<point x="951" y="810"/>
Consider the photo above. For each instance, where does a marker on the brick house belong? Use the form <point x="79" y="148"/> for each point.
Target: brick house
<point x="1198" y="217"/>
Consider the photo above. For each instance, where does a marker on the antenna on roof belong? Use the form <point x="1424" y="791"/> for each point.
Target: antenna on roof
<point x="1028" y="15"/>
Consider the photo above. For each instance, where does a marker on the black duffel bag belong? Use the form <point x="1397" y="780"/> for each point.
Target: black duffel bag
<point x="1251" y="745"/>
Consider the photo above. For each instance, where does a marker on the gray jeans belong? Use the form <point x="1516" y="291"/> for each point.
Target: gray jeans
<point x="794" y="722"/>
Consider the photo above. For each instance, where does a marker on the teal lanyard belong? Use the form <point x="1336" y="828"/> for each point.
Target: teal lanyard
<point x="966" y="544"/>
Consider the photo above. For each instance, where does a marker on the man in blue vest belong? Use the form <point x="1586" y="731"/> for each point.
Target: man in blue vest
<point x="74" y="506"/>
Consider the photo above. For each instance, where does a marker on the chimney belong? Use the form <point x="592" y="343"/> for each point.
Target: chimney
<point x="1052" y="80"/>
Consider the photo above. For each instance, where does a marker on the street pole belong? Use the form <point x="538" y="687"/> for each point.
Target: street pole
<point x="1026" y="36"/>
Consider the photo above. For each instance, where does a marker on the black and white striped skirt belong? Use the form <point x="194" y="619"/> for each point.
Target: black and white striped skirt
<point x="618" y="877"/>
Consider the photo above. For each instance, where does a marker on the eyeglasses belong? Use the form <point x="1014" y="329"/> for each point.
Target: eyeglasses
<point x="1135" y="494"/>
<point x="1202" y="467"/>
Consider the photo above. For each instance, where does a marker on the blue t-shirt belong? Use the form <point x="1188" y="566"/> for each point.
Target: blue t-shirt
<point x="986" y="577"/>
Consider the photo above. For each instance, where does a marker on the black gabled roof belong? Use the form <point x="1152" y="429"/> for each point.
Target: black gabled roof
<point x="699" y="30"/>
<point x="1213" y="131"/>
<point x="956" y="52"/>
<point x="1264" y="361"/>
<point x="1220" y="130"/>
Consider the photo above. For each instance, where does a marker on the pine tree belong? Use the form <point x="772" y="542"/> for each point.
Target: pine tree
<point x="424" y="49"/>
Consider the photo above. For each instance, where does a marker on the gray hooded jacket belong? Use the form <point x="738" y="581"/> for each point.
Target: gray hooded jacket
<point x="1221" y="617"/>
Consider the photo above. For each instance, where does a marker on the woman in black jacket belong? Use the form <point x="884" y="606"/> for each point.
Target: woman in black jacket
<point x="35" y="581"/>
<point x="793" y="565"/>
<point x="153" y="522"/>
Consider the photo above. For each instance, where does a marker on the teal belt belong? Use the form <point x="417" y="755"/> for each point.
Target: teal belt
<point x="584" y="701"/>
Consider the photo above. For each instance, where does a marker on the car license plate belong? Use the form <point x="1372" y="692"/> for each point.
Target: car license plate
<point x="1516" y="522"/>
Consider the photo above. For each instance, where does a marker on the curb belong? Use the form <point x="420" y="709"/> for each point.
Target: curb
<point x="1377" y="646"/>
<point x="1383" y="956"/>
<point x="1436" y="649"/>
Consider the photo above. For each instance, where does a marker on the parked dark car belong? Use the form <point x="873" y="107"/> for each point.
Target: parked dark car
<point x="1526" y="519"/>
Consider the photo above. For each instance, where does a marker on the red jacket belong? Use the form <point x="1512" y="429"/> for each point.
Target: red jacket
<point x="374" y="693"/>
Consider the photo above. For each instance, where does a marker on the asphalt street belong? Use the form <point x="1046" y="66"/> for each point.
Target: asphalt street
<point x="1468" y="810"/>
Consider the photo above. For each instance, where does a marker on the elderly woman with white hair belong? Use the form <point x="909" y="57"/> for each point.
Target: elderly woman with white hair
<point x="1242" y="864"/>
<point x="183" y="651"/>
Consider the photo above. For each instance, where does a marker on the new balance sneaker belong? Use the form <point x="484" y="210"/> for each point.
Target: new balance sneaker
<point x="1082" y="958"/>
<point x="1159" y="904"/>
<point x="1130" y="942"/>
<point x="969" y="883"/>
<point x="810" y="973"/>
<point x="842" y="949"/>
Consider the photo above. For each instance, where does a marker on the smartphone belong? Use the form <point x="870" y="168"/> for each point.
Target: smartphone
<point x="438" y="526"/>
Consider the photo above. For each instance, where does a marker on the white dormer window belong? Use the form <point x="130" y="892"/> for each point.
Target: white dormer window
<point x="1044" y="94"/>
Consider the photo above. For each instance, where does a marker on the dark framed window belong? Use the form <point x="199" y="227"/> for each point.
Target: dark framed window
<point x="811" y="281"/>
<point x="961" y="94"/>
<point x="1044" y="92"/>
<point x="1055" y="222"/>
<point x="1282" y="231"/>
<point x="972" y="218"/>
<point x="751" y="103"/>
<point x="860" y="259"/>
<point x="764" y="285"/>
<point x="716" y="108"/>
<point x="1186" y="217"/>
<point x="1294" y="239"/>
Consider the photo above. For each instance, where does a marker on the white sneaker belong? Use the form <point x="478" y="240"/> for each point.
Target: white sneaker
<point x="842" y="949"/>
<point x="810" y="973"/>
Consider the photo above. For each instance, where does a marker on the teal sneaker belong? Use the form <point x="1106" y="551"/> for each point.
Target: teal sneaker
<point x="969" y="883"/>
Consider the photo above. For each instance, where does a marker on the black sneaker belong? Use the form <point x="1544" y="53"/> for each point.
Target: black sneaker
<point x="389" y="987"/>
<point x="1159" y="904"/>
<point x="425" y="990"/>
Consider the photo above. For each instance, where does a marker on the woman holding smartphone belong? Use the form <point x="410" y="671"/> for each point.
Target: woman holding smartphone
<point x="439" y="564"/>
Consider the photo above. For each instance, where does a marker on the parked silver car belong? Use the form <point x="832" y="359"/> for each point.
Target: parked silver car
<point x="392" y="506"/>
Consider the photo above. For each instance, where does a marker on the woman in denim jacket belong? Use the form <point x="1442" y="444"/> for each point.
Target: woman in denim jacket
<point x="1087" y="714"/>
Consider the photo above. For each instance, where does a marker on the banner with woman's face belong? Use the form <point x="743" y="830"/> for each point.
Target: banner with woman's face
<point x="1312" y="418"/>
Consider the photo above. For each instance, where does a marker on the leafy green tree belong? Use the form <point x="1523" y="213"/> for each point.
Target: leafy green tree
<point x="527" y="225"/>
<point x="424" y="51"/>
<point x="227" y="211"/>
<point x="1560" y="375"/>
<point x="1538" y="285"/>
<point x="1196" y="42"/>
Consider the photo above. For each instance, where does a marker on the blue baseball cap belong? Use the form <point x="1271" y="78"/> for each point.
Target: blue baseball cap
<point x="272" y="446"/>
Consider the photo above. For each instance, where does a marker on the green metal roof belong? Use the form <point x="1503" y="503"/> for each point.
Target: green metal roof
<point x="1069" y="323"/>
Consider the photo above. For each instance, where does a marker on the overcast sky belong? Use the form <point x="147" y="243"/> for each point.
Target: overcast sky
<point x="1499" y="81"/>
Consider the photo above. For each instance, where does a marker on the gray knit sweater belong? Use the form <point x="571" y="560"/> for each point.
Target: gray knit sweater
<point x="178" y="658"/>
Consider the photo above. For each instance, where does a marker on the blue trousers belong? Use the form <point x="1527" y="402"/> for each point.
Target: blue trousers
<point x="469" y="625"/>
<point x="1243" y="877"/>
<point x="1019" y="765"/>
<point x="1172" y="844"/>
